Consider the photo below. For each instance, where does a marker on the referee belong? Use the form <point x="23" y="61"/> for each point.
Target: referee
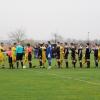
<point x="19" y="54"/>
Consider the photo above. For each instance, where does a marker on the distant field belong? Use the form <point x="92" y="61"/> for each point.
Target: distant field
<point x="53" y="84"/>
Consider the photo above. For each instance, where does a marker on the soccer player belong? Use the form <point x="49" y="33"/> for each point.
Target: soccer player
<point x="29" y="50"/>
<point x="2" y="54"/>
<point x="36" y="50"/>
<point x="61" y="53"/>
<point x="14" y="53"/>
<point x="87" y="55"/>
<point x="80" y="55"/>
<point x="73" y="54"/>
<point x="49" y="54"/>
<point x="19" y="54"/>
<point x="66" y="52"/>
<point x="25" y="57"/>
<point x="96" y="55"/>
<point x="42" y="55"/>
<point x="9" y="54"/>
<point x="58" y="54"/>
<point x="99" y="53"/>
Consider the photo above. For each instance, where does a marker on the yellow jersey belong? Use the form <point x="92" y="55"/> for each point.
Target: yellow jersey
<point x="14" y="53"/>
<point x="61" y="52"/>
<point x="1" y="54"/>
<point x="43" y="54"/>
<point x="99" y="54"/>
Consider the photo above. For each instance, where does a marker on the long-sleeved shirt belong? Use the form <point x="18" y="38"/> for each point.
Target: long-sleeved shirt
<point x="49" y="51"/>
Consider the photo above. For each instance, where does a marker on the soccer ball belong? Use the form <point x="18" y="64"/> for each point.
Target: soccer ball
<point x="24" y="67"/>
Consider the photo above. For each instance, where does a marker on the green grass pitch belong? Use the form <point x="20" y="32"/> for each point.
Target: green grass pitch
<point x="53" y="84"/>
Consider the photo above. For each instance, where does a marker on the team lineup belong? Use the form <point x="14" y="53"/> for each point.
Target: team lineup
<point x="17" y="53"/>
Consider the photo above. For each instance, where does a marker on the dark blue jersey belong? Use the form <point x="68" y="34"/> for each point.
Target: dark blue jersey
<point x="87" y="52"/>
<point x="73" y="52"/>
<point x="66" y="52"/>
<point x="96" y="52"/>
<point x="58" y="52"/>
<point x="80" y="52"/>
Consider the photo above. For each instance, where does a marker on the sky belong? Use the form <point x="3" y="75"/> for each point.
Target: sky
<point x="40" y="19"/>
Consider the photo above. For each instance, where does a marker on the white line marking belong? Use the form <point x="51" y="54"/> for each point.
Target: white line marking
<point x="76" y="79"/>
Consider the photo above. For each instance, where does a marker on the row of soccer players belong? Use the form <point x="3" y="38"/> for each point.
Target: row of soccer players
<point x="77" y="51"/>
<point x="16" y="52"/>
<point x="62" y="53"/>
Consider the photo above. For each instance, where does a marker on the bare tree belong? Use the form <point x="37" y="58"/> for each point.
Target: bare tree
<point x="17" y="36"/>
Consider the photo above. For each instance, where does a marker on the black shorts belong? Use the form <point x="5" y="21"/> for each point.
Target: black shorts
<point x="29" y="57"/>
<point x="58" y="56"/>
<point x="87" y="56"/>
<point x="96" y="57"/>
<point x="66" y="56"/>
<point x="10" y="59"/>
<point x="19" y="56"/>
<point x="80" y="57"/>
<point x="73" y="57"/>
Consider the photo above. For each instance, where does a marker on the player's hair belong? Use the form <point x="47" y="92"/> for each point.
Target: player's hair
<point x="15" y="43"/>
<point x="88" y="44"/>
<point x="66" y="43"/>
<point x="2" y="43"/>
<point x="9" y="48"/>
<point x="72" y="43"/>
<point x="96" y="44"/>
<point x="58" y="42"/>
<point x="49" y="42"/>
<point x="28" y="44"/>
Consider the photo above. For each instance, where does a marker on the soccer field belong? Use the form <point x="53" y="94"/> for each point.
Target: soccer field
<point x="54" y="84"/>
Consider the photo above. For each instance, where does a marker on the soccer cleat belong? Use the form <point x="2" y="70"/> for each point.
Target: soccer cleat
<point x="49" y="67"/>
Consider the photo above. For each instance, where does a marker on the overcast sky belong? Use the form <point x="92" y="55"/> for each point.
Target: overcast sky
<point x="41" y="18"/>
